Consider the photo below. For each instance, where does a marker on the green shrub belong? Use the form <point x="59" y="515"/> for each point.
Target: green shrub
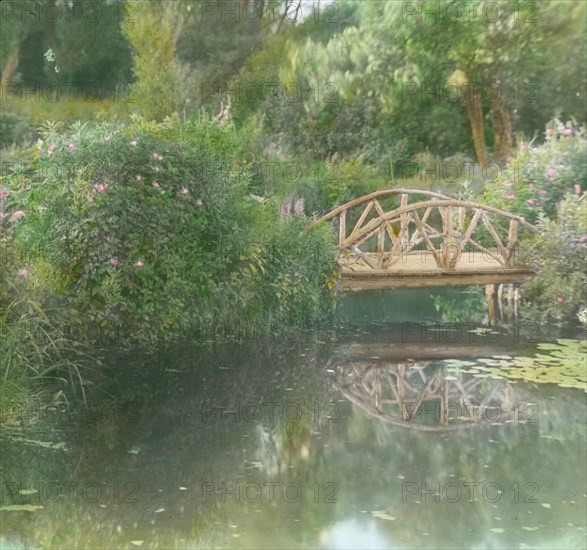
<point x="15" y="129"/>
<point x="37" y="360"/>
<point x="558" y="293"/>
<point x="145" y="233"/>
<point x="540" y="176"/>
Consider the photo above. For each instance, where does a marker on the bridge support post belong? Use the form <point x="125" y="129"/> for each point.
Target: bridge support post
<point x="491" y="297"/>
<point x="502" y="302"/>
<point x="512" y="302"/>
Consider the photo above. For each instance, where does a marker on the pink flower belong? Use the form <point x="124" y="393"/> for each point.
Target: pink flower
<point x="133" y="143"/>
<point x="299" y="207"/>
<point x="542" y="193"/>
<point x="115" y="261"/>
<point x="199" y="203"/>
<point x="510" y="196"/>
<point x="551" y="173"/>
<point x="548" y="133"/>
<point x="560" y="299"/>
<point x="72" y="146"/>
<point x="185" y="191"/>
<point x="16" y="215"/>
<point x="4" y="195"/>
<point x="531" y="202"/>
<point x="24" y="272"/>
<point x="139" y="264"/>
<point x="577" y="189"/>
<point x="523" y="146"/>
<point x="101" y="187"/>
<point x="583" y="238"/>
<point x="138" y="178"/>
<point x="155" y="184"/>
<point x="285" y="209"/>
<point x="52" y="148"/>
<point x="509" y="160"/>
<point x="535" y="149"/>
<point x="567" y="132"/>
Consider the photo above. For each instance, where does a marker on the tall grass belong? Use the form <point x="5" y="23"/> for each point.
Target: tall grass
<point x="38" y="365"/>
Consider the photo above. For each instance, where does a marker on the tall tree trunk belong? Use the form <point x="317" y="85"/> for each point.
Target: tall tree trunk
<point x="9" y="69"/>
<point x="501" y="119"/>
<point x="474" y="110"/>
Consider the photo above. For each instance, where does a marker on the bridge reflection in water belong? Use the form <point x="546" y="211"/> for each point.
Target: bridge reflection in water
<point x="427" y="394"/>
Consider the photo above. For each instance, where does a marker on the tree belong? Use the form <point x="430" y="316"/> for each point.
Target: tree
<point x="483" y="51"/>
<point x="18" y="18"/>
<point x="91" y="48"/>
<point x="161" y="80"/>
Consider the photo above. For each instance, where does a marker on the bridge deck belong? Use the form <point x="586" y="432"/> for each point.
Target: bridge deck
<point x="419" y="269"/>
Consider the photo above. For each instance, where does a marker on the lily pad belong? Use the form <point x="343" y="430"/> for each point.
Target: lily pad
<point x="565" y="365"/>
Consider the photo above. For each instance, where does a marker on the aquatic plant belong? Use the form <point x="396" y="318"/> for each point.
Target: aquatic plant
<point x="561" y="363"/>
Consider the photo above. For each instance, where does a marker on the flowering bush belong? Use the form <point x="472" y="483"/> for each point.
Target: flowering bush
<point x="558" y="292"/>
<point x="147" y="230"/>
<point x="540" y="176"/>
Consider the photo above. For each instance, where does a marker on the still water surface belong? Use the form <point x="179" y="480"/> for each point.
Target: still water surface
<point x="305" y="445"/>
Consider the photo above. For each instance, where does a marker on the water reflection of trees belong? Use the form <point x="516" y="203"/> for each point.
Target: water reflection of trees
<point x="363" y="455"/>
<point x="399" y="447"/>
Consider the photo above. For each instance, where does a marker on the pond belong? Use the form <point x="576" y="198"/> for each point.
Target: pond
<point x="396" y="434"/>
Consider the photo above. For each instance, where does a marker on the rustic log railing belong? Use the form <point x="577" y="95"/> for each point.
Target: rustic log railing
<point x="428" y="237"/>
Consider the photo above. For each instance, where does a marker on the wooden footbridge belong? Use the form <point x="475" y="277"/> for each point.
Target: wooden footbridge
<point x="385" y="241"/>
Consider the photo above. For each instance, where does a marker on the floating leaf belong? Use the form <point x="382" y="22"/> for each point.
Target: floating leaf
<point x="20" y="508"/>
<point x="564" y="365"/>
<point x="382" y="515"/>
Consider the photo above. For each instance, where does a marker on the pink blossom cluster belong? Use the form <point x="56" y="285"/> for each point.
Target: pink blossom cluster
<point x="115" y="261"/>
<point x="288" y="207"/>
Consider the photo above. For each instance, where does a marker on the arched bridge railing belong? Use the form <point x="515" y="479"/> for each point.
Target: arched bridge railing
<point x="374" y="236"/>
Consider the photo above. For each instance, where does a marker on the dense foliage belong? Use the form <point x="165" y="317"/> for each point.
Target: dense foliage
<point x="534" y="181"/>
<point x="558" y="293"/>
<point x="150" y="232"/>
